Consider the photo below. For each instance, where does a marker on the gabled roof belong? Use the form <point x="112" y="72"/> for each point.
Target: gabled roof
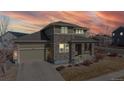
<point x="61" y="23"/>
<point x="17" y="34"/>
<point x="120" y="29"/>
<point x="34" y="37"/>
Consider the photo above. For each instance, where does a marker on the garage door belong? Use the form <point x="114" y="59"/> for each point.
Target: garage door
<point x="31" y="55"/>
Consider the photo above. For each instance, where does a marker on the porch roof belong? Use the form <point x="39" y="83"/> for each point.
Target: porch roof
<point x="83" y="40"/>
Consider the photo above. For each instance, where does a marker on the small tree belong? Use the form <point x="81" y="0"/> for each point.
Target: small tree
<point x="4" y="23"/>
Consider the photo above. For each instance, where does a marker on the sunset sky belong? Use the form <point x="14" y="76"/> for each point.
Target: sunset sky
<point x="97" y="22"/>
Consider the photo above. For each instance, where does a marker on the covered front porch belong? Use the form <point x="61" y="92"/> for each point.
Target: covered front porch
<point x="80" y="50"/>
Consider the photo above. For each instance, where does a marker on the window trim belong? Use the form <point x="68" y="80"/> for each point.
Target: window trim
<point x="79" y="31"/>
<point x="65" y="48"/>
<point x="64" y="30"/>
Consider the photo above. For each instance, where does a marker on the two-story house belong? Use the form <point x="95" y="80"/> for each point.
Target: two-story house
<point x="58" y="42"/>
<point x="118" y="37"/>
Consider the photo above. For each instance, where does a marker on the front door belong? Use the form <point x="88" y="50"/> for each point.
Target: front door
<point x="78" y="49"/>
<point x="49" y="54"/>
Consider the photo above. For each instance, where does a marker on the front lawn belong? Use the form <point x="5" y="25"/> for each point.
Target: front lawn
<point x="104" y="66"/>
<point x="10" y="74"/>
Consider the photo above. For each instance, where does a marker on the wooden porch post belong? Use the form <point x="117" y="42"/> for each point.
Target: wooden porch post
<point x="92" y="49"/>
<point x="82" y="49"/>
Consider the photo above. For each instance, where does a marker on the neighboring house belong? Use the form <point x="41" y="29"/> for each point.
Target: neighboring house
<point x="118" y="37"/>
<point x="103" y="40"/>
<point x="59" y="42"/>
<point x="6" y="40"/>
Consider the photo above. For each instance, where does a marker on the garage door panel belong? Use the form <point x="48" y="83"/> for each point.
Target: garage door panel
<point x="32" y="55"/>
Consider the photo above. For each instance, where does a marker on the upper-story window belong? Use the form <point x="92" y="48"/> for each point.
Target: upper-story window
<point x="79" y="31"/>
<point x="64" y="30"/>
<point x="113" y="34"/>
<point x="121" y="33"/>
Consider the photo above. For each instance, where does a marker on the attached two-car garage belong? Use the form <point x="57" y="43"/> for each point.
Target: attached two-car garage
<point x="30" y="52"/>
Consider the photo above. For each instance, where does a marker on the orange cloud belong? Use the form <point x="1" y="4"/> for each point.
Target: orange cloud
<point x="98" y="22"/>
<point x="114" y="18"/>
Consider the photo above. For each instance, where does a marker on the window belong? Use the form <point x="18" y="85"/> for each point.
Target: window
<point x="63" y="48"/>
<point x="15" y="55"/>
<point x="121" y="33"/>
<point x="66" y="47"/>
<point x="113" y="34"/>
<point x="79" y="31"/>
<point x="64" y="30"/>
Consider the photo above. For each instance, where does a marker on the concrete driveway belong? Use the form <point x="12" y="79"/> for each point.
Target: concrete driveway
<point x="38" y="71"/>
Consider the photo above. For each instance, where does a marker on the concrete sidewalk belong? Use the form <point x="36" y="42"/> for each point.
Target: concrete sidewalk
<point x="109" y="77"/>
<point x="38" y="71"/>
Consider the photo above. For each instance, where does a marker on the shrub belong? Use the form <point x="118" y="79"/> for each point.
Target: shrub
<point x="69" y="66"/>
<point x="5" y="54"/>
<point x="76" y="65"/>
<point x="113" y="54"/>
<point x="87" y="62"/>
<point x="99" y="56"/>
<point x="120" y="56"/>
<point x="96" y="60"/>
<point x="60" y="68"/>
<point x="81" y="63"/>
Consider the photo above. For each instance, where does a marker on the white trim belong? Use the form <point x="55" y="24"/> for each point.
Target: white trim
<point x="31" y="49"/>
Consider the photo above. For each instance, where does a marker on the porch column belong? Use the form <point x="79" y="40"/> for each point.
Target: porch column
<point x="71" y="52"/>
<point x="87" y="46"/>
<point x="92" y="49"/>
<point x="82" y="48"/>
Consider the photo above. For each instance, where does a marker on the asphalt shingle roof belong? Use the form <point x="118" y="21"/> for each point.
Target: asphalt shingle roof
<point x="35" y="37"/>
<point x="17" y="34"/>
<point x="83" y="40"/>
<point x="121" y="28"/>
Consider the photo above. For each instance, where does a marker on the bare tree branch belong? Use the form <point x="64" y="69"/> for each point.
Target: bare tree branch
<point x="4" y="22"/>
